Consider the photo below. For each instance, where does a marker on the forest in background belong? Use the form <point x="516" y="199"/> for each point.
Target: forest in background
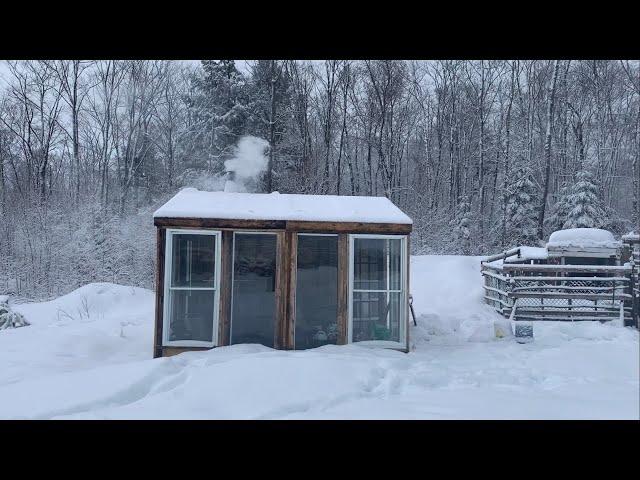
<point x="483" y="155"/>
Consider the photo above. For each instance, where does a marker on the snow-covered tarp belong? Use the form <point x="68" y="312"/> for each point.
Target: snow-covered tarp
<point x="192" y="203"/>
<point x="583" y="238"/>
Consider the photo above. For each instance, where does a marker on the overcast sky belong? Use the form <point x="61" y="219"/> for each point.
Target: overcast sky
<point x="242" y="65"/>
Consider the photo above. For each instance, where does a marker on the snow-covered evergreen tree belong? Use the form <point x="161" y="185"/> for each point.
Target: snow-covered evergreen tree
<point x="585" y="207"/>
<point x="560" y="209"/>
<point x="218" y="109"/>
<point x="460" y="226"/>
<point x="522" y="210"/>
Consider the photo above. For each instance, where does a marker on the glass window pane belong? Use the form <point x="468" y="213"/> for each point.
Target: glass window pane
<point x="395" y="249"/>
<point x="394" y="318"/>
<point x="254" y="285"/>
<point x="370" y="264"/>
<point x="193" y="260"/>
<point x="376" y="316"/>
<point x="316" y="291"/>
<point x="191" y="315"/>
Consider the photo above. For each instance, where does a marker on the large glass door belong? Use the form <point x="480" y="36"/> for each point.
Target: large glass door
<point x="316" y="291"/>
<point x="378" y="289"/>
<point x="254" y="288"/>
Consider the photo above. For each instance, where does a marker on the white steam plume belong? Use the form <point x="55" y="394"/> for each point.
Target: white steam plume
<point x="247" y="164"/>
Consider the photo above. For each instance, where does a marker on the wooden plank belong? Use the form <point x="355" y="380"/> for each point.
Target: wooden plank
<point x="292" y="262"/>
<point x="495" y="275"/>
<point x="579" y="296"/>
<point x="567" y="268"/>
<point x="408" y="278"/>
<point x="503" y="255"/>
<point x="295" y="226"/>
<point x="348" y="227"/>
<point x="532" y="278"/>
<point x="555" y="312"/>
<point x="565" y="319"/>
<point x="495" y="268"/>
<point x="159" y="281"/>
<point x="226" y="285"/>
<point x="610" y="289"/>
<point x="493" y="299"/>
<point x="170" y="351"/>
<point x="497" y="290"/>
<point x="282" y="274"/>
<point x="220" y="223"/>
<point x="343" y="289"/>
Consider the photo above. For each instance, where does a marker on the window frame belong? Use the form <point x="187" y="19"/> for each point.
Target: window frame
<point x="168" y="272"/>
<point x="402" y="344"/>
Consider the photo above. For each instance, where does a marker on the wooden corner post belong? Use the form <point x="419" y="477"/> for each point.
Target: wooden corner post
<point x="343" y="289"/>
<point x="160" y="252"/>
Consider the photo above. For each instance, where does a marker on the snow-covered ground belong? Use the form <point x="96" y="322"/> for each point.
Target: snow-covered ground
<point x="88" y="355"/>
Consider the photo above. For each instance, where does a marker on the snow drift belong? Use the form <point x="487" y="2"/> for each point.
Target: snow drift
<point x="87" y="355"/>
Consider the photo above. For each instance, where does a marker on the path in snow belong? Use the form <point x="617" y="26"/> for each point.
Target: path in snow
<point x="76" y="366"/>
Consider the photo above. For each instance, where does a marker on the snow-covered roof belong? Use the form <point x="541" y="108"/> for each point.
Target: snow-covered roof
<point x="192" y="203"/>
<point x="583" y="238"/>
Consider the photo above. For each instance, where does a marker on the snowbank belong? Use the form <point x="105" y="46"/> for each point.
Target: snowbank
<point x="447" y="292"/>
<point x="583" y="238"/>
<point x="192" y="203"/>
<point x="97" y="365"/>
<point x="96" y="324"/>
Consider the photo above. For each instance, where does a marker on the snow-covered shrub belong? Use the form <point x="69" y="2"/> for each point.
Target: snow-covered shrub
<point x="9" y="318"/>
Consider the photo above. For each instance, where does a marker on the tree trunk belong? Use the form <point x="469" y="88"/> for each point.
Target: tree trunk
<point x="272" y="129"/>
<point x="507" y="152"/>
<point x="636" y="171"/>
<point x="547" y="151"/>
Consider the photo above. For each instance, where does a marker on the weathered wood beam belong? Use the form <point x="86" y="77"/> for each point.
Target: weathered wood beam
<point x="159" y="280"/>
<point x="567" y="268"/>
<point x="226" y="286"/>
<point x="532" y="278"/>
<point x="503" y="255"/>
<point x="343" y="288"/>
<point x="348" y="227"/>
<point x="169" y="351"/>
<point x="219" y="223"/>
<point x="293" y="226"/>
<point x="579" y="296"/>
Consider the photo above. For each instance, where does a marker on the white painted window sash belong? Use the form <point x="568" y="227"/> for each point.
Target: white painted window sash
<point x="402" y="291"/>
<point x="168" y="288"/>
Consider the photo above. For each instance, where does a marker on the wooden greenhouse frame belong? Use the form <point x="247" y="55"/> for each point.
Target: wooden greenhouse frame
<point x="287" y="232"/>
